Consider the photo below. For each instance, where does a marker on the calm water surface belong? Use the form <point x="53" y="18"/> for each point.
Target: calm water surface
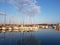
<point x="42" y="37"/>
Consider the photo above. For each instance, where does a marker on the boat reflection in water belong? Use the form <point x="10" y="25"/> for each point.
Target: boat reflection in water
<point x="17" y="38"/>
<point x="40" y="37"/>
<point x="30" y="40"/>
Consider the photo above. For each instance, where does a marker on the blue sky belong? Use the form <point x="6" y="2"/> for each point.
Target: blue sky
<point x="50" y="10"/>
<point x="49" y="13"/>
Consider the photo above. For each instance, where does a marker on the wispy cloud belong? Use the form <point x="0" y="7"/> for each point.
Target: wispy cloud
<point x="27" y="7"/>
<point x="9" y="18"/>
<point x="2" y="13"/>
